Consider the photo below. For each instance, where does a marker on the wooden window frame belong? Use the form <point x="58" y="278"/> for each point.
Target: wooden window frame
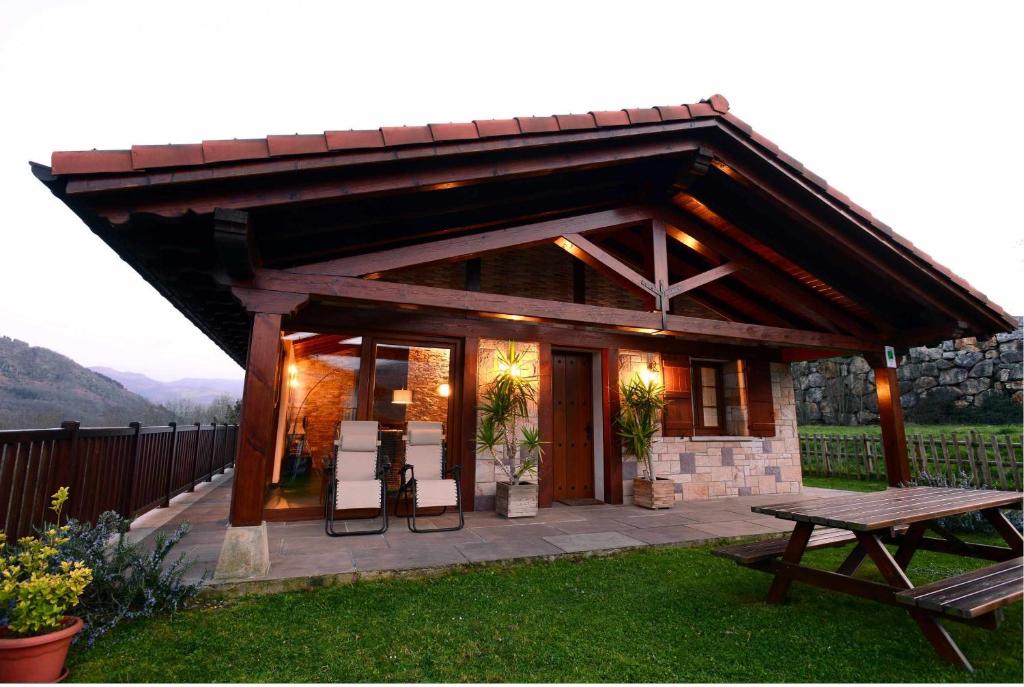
<point x="697" y="394"/>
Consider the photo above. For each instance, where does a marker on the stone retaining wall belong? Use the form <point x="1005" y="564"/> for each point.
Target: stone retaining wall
<point x="966" y="371"/>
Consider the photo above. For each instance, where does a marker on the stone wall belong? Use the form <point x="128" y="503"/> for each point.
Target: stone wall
<point x="487" y="473"/>
<point x="711" y="467"/>
<point x="966" y="371"/>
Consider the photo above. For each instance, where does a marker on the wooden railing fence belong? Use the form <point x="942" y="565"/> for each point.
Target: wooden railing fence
<point x="129" y="469"/>
<point x="992" y="460"/>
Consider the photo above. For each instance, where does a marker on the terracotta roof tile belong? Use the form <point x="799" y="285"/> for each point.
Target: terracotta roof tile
<point x="91" y="161"/>
<point x="297" y="144"/>
<point x="673" y="112"/>
<point x="533" y="125"/>
<point x="762" y="141"/>
<point x="643" y="115"/>
<point x="453" y="132"/>
<point x="347" y="140"/>
<point x="575" y="121"/>
<point x="406" y="135"/>
<point x="837" y="194"/>
<point x="174" y="155"/>
<point x="719" y="103"/>
<point x="235" y="149"/>
<point x="738" y="123"/>
<point x="815" y="179"/>
<point x="702" y="110"/>
<point x="790" y="160"/>
<point x="611" y="118"/>
<point x="496" y="127"/>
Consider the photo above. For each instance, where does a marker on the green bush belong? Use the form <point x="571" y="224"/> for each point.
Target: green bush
<point x="937" y="410"/>
<point x="970" y="523"/>
<point x="129" y="580"/>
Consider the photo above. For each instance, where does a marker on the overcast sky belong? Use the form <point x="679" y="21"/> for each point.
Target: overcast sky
<point x="914" y="110"/>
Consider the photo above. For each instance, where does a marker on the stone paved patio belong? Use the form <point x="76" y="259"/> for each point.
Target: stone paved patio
<point x="301" y="550"/>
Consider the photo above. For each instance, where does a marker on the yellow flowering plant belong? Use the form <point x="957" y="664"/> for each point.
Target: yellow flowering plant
<point x="36" y="589"/>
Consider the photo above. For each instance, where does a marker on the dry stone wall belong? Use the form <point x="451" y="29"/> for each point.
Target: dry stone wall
<point x="965" y="371"/>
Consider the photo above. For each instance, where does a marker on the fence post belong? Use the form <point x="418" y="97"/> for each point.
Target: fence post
<point x="213" y="452"/>
<point x="69" y="474"/>
<point x="195" y="457"/>
<point x="128" y="495"/>
<point x="170" y="464"/>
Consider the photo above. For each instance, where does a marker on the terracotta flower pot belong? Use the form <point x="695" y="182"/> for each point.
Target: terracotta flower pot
<point x="37" y="659"/>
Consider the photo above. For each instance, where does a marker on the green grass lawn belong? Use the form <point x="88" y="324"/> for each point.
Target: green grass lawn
<point x="844" y="483"/>
<point x="925" y="430"/>
<point x="669" y="614"/>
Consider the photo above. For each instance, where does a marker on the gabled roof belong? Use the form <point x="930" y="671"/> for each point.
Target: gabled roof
<point x="149" y="157"/>
<point x="111" y="188"/>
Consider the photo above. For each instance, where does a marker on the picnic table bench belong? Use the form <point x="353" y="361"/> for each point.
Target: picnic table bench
<point x="900" y="516"/>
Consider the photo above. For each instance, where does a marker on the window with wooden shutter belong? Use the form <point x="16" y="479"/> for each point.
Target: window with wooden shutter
<point x="760" y="405"/>
<point x="708" y="399"/>
<point x="678" y="417"/>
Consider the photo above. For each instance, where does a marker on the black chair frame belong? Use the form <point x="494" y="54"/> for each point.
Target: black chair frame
<point x="332" y="491"/>
<point x="409" y="485"/>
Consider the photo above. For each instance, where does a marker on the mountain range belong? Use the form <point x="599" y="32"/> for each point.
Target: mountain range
<point x="195" y="390"/>
<point x="41" y="388"/>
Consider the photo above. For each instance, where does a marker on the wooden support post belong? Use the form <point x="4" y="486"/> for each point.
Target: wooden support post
<point x="257" y="426"/>
<point x="68" y="471"/>
<point x="128" y="494"/>
<point x="546" y="425"/>
<point x="890" y="415"/>
<point x="213" y="450"/>
<point x="169" y="484"/>
<point x="612" y="445"/>
<point x="467" y="395"/>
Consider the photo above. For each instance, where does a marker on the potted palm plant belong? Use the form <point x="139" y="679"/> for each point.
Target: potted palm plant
<point x="505" y="433"/>
<point x="638" y="422"/>
<point x="36" y="589"/>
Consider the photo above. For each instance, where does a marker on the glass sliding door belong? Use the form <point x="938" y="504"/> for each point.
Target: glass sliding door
<point x="410" y="383"/>
<point x="319" y="389"/>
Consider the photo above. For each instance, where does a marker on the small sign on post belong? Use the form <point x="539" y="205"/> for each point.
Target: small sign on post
<point x="890" y="356"/>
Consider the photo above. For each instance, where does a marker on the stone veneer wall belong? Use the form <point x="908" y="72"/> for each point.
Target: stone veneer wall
<point x="328" y="385"/>
<point x="966" y="371"/>
<point x="711" y="467"/>
<point x="487" y="473"/>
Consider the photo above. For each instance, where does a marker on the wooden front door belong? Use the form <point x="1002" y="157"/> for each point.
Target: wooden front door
<point x="572" y="450"/>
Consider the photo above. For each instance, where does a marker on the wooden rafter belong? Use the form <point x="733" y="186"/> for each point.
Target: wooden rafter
<point x="516" y="307"/>
<point x="606" y="263"/>
<point x="699" y="280"/>
<point x="473" y="245"/>
<point x="808" y="305"/>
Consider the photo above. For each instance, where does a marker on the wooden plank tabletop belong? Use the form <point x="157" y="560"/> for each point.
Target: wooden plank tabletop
<point x="881" y="509"/>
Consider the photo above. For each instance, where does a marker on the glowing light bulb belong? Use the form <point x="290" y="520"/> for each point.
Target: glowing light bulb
<point x="444" y="390"/>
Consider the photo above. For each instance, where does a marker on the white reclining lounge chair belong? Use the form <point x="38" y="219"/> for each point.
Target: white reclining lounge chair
<point x="424" y="475"/>
<point x="357" y="477"/>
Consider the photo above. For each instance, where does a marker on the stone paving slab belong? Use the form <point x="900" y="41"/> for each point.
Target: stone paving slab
<point x="594" y="541"/>
<point x="300" y="551"/>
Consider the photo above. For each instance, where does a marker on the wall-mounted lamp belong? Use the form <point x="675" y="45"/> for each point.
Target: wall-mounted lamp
<point x="649" y="374"/>
<point x="402" y="396"/>
<point x="293" y="375"/>
<point x="511" y="370"/>
<point x="444" y="390"/>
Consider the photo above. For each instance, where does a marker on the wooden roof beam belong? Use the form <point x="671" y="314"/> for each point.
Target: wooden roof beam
<point x="599" y="259"/>
<point x="279" y="285"/>
<point x="473" y="245"/>
<point x="809" y="306"/>
<point x="699" y="280"/>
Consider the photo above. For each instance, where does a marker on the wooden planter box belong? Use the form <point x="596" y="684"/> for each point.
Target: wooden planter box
<point x="658" y="494"/>
<point x="516" y="501"/>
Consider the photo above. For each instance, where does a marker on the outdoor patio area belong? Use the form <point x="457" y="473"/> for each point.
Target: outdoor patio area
<point x="300" y="550"/>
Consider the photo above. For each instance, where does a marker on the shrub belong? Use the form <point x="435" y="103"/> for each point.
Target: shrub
<point x="967" y="522"/>
<point x="37" y="586"/>
<point x="130" y="581"/>
<point x="940" y="410"/>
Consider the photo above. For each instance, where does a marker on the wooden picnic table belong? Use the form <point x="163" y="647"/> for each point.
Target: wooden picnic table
<point x="899" y="516"/>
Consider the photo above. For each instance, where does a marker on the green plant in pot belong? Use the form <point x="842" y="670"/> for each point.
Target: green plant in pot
<point x="638" y="421"/>
<point x="36" y="590"/>
<point x="505" y="433"/>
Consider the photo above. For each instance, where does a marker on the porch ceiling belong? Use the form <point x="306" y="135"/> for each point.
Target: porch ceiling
<point x="812" y="258"/>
